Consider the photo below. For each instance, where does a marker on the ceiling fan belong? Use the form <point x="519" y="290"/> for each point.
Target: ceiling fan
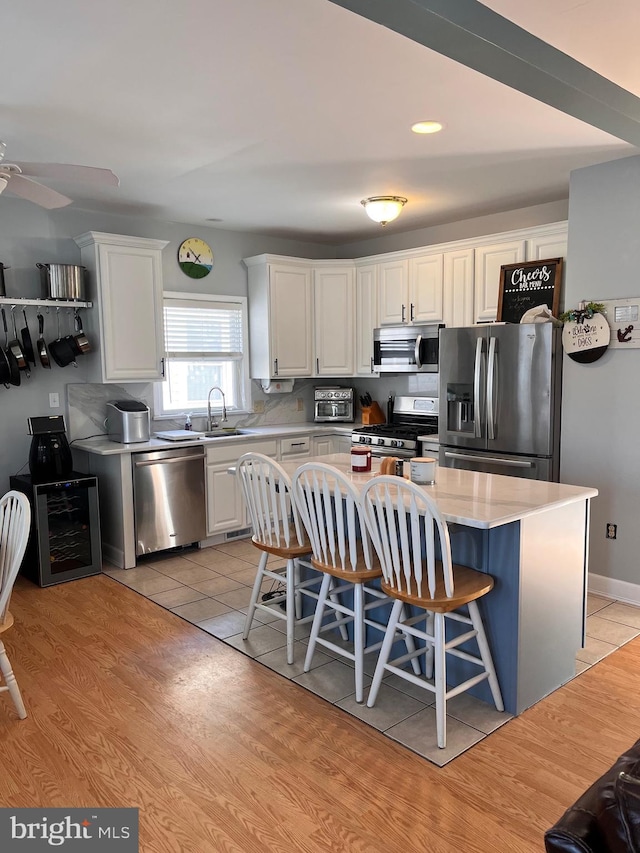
<point x="19" y="178"/>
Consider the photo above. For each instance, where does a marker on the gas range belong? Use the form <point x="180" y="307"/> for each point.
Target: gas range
<point x="412" y="416"/>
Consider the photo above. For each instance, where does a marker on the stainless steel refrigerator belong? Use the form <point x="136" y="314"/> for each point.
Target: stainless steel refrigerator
<point x="500" y="392"/>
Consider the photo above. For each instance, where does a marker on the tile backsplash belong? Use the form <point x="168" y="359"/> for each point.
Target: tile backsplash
<point x="87" y="402"/>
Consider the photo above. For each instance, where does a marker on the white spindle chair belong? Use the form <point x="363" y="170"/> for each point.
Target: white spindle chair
<point x="276" y="530"/>
<point x="329" y="506"/>
<point x="402" y="520"/>
<point x="15" y="520"/>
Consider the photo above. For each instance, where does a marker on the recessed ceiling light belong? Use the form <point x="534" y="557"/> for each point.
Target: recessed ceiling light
<point x="426" y="127"/>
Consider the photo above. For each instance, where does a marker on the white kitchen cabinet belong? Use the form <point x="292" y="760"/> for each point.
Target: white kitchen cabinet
<point x="425" y="289"/>
<point x="393" y="291"/>
<point x="545" y="246"/>
<point x="225" y="504"/>
<point x="322" y="445"/>
<point x="488" y="260"/>
<point x="125" y="275"/>
<point x="294" y="447"/>
<point x="366" y="317"/>
<point x="333" y="315"/>
<point x="552" y="245"/>
<point x="280" y="317"/>
<point x="458" y="289"/>
<point x="341" y="444"/>
<point x="410" y="290"/>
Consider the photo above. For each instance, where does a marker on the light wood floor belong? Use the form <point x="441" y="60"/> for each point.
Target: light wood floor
<point x="129" y="705"/>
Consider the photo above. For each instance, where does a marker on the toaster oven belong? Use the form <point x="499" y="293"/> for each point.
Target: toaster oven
<point x="333" y="403"/>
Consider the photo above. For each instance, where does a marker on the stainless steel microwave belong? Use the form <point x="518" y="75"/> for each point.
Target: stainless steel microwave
<point x="406" y="349"/>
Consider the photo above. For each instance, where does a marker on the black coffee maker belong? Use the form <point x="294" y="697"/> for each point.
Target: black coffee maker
<point x="50" y="455"/>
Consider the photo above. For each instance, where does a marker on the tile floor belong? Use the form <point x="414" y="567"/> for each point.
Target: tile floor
<point x="211" y="588"/>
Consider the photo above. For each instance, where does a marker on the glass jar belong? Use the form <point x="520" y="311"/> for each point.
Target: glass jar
<point x="360" y="458"/>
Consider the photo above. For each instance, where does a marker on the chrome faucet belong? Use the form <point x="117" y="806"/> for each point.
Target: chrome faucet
<point x="210" y="423"/>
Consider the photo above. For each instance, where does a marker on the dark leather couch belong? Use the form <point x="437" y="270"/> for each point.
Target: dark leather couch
<point x="606" y="818"/>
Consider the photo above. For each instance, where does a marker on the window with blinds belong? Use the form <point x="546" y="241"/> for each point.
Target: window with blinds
<point x="206" y="345"/>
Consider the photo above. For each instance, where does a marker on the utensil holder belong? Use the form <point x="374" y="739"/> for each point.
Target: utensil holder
<point x="372" y="414"/>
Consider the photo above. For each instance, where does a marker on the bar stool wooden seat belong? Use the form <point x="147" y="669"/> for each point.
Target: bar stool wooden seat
<point x="277" y="531"/>
<point x="15" y="520"/>
<point x="329" y="506"/>
<point x="402" y="521"/>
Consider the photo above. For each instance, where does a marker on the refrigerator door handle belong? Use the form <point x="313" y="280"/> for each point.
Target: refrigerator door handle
<point x="491" y="389"/>
<point x="477" y="407"/>
<point x="495" y="460"/>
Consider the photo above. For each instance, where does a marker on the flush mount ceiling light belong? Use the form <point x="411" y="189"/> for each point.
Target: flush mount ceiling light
<point x="383" y="208"/>
<point x="426" y="127"/>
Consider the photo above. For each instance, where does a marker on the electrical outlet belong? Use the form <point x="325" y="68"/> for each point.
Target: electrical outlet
<point x="300" y="403"/>
<point x="612" y="531"/>
<point x="54" y="401"/>
<point x="258" y="407"/>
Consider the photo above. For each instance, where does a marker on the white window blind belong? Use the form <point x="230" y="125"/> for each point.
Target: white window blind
<point x="206" y="346"/>
<point x="201" y="332"/>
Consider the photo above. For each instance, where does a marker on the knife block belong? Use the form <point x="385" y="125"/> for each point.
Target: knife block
<point x="372" y="414"/>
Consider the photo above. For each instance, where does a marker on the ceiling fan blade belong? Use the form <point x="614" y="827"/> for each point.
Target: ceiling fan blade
<point x="38" y="193"/>
<point x="69" y="172"/>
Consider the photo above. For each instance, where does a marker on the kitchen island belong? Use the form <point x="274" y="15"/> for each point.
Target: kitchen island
<point x="532" y="537"/>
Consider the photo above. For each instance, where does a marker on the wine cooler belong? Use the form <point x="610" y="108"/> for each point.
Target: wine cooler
<point x="64" y="541"/>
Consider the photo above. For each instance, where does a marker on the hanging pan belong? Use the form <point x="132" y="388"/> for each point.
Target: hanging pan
<point x="27" y="343"/>
<point x="81" y="339"/>
<point x="43" y="352"/>
<point x="16" y="347"/>
<point x="62" y="352"/>
<point x="14" y="370"/>
<point x="5" y="368"/>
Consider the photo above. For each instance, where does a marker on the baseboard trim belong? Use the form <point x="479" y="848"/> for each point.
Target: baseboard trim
<point x="615" y="589"/>
<point x="113" y="555"/>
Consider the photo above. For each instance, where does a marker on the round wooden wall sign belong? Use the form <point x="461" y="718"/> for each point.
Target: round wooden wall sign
<point x="586" y="341"/>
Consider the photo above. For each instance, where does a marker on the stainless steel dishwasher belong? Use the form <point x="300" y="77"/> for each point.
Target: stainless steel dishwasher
<point x="169" y="498"/>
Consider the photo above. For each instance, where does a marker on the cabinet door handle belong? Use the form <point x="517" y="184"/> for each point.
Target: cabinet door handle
<point x="317" y="365"/>
<point x="275" y="366"/>
<point x="403" y="313"/>
<point x="162" y="363"/>
<point x="411" y="312"/>
<point x="371" y="363"/>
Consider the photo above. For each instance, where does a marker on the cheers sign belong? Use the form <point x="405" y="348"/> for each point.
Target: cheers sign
<point x="527" y="285"/>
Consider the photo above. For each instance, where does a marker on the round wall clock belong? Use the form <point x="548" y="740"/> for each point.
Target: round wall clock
<point x="195" y="257"/>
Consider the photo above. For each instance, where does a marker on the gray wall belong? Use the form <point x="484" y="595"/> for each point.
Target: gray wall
<point x="600" y="444"/>
<point x="29" y="235"/>
<point x="510" y="220"/>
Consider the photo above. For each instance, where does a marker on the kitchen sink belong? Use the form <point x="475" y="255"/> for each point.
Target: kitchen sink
<point x="222" y="432"/>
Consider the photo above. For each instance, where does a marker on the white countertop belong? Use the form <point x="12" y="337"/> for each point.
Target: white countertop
<point x="102" y="446"/>
<point x="475" y="499"/>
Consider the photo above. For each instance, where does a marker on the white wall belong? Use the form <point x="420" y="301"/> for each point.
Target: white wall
<point x="600" y="436"/>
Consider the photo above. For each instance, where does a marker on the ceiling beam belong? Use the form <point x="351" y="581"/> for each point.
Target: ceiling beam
<point x="476" y="36"/>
